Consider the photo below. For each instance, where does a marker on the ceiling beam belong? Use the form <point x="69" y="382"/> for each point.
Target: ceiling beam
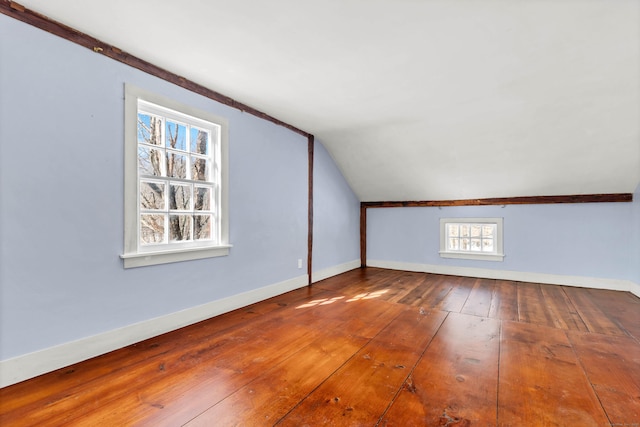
<point x="21" y="13"/>
<point x="531" y="200"/>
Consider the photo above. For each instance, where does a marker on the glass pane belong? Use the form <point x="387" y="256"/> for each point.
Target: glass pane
<point x="464" y="244"/>
<point x="203" y="199"/>
<point x="476" y="230"/>
<point x="176" y="136"/>
<point x="202" y="227"/>
<point x="465" y="230"/>
<point x="454" y="244"/>
<point x="151" y="195"/>
<point x="487" y="230"/>
<point x="199" y="169"/>
<point x="487" y="245"/>
<point x="151" y="229"/>
<point x="149" y="161"/>
<point x="180" y="197"/>
<point x="179" y="227"/>
<point x="199" y="141"/>
<point x="176" y="165"/>
<point x="476" y="244"/>
<point x="453" y="230"/>
<point x="149" y="129"/>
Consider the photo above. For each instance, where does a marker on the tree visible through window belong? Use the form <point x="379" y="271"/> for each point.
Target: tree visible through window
<point x="471" y="237"/>
<point x="177" y="186"/>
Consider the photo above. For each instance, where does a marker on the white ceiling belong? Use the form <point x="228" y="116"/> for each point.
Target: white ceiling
<point x="414" y="99"/>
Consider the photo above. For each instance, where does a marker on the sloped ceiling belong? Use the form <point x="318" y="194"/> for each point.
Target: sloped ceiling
<point x="414" y="99"/>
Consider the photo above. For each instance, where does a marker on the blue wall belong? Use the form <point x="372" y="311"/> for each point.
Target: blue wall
<point x="61" y="200"/>
<point x="336" y="215"/>
<point x="591" y="240"/>
<point x="635" y="233"/>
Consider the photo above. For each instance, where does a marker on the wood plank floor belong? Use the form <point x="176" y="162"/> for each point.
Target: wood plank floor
<point x="370" y="347"/>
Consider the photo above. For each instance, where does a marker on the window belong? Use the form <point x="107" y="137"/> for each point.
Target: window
<point x="471" y="238"/>
<point x="175" y="181"/>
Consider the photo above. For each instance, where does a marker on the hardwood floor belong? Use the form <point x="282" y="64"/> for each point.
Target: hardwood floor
<point x="369" y="347"/>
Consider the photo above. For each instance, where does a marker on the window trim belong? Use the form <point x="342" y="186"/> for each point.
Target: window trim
<point x="133" y="256"/>
<point x="497" y="256"/>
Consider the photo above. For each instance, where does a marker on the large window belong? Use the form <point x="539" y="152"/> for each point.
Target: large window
<point x="471" y="238"/>
<point x="175" y="181"/>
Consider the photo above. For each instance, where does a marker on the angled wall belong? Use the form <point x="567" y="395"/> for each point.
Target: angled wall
<point x="635" y="233"/>
<point x="336" y="219"/>
<point x="65" y="294"/>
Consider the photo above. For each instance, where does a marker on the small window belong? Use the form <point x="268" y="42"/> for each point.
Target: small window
<point x="175" y="181"/>
<point x="471" y="238"/>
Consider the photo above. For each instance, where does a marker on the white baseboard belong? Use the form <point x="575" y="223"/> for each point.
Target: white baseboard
<point x="49" y="359"/>
<point x="517" y="276"/>
<point x="316" y="276"/>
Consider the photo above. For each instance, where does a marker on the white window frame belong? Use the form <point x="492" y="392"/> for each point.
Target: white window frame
<point x="135" y="254"/>
<point x="496" y="255"/>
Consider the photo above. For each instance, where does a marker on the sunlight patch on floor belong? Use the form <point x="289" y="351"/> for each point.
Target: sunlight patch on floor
<point x="368" y="295"/>
<point x="327" y="301"/>
<point x="322" y="301"/>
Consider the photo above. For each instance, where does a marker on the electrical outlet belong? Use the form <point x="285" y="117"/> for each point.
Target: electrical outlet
<point x="299" y="263"/>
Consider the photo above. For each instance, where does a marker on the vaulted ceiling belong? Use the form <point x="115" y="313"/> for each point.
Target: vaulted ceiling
<point x="414" y="99"/>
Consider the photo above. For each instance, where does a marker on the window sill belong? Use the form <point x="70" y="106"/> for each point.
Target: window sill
<point x="475" y="256"/>
<point x="141" y="259"/>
